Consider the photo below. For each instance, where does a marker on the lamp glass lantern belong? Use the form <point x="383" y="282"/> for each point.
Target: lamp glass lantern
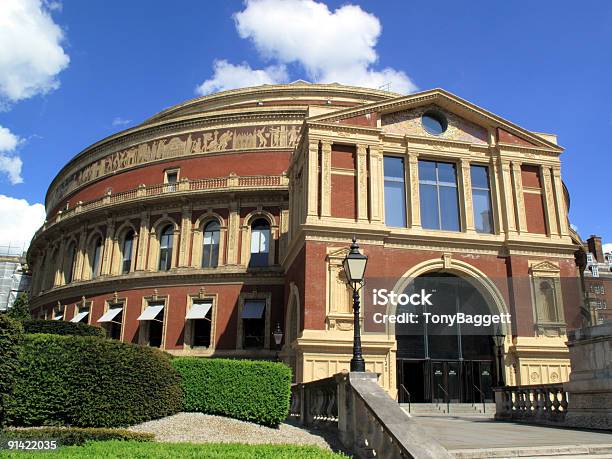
<point x="354" y="264"/>
<point x="278" y="334"/>
<point x="498" y="338"/>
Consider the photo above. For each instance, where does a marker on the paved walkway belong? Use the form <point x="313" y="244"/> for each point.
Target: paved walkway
<point x="483" y="432"/>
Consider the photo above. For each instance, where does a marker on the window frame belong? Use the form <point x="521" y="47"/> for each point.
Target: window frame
<point x="267" y="296"/>
<point x="204" y="245"/>
<point x="437" y="184"/>
<point x="489" y="191"/>
<point x="144" y="328"/>
<point x="401" y="180"/>
<point x="190" y="329"/>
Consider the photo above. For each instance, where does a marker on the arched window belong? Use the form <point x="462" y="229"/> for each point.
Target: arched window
<point x="165" y="248"/>
<point x="126" y="252"/>
<point x="260" y="243"/>
<point x="96" y="259"/>
<point x="210" y="245"/>
<point x="69" y="268"/>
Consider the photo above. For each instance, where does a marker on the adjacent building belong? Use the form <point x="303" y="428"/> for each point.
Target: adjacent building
<point x="209" y="224"/>
<point x="14" y="276"/>
<point x="598" y="281"/>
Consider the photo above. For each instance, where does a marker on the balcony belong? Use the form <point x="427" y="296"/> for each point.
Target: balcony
<point x="231" y="183"/>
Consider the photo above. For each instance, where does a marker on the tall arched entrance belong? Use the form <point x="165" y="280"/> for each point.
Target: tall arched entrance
<point x="438" y="360"/>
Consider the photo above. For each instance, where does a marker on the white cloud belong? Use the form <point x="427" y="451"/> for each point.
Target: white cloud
<point x="230" y="76"/>
<point x="32" y="55"/>
<point x="19" y="220"/>
<point x="10" y="164"/>
<point x="336" y="46"/>
<point x="118" y="121"/>
<point x="607" y="248"/>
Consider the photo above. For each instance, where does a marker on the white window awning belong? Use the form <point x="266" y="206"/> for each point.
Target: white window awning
<point x="110" y="315"/>
<point x="80" y="316"/>
<point x="199" y="310"/>
<point x="58" y="317"/>
<point x="151" y="312"/>
<point x="253" y="309"/>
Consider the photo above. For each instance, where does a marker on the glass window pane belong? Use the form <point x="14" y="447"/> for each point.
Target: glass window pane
<point x="447" y="174"/>
<point x="427" y="171"/>
<point x="394" y="167"/>
<point x="480" y="176"/>
<point x="429" y="207"/>
<point x="482" y="211"/>
<point x="395" y="204"/>
<point x="449" y="208"/>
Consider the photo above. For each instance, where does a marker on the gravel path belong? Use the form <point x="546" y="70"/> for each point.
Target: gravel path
<point x="205" y="428"/>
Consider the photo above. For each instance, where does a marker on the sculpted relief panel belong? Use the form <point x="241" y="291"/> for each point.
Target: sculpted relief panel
<point x="217" y="140"/>
<point x="409" y="122"/>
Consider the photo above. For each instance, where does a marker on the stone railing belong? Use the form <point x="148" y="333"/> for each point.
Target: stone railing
<point x="315" y="402"/>
<point x="230" y="183"/>
<point x="367" y="420"/>
<point x="542" y="403"/>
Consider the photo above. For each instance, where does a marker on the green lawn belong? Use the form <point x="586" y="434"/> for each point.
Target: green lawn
<point x="130" y="449"/>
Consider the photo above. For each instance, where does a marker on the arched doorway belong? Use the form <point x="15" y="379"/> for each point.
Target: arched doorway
<point x="438" y="360"/>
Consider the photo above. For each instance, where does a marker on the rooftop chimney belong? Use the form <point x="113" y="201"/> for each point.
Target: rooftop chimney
<point x="594" y="245"/>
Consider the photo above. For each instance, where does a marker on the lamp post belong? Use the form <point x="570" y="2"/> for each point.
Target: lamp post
<point x="278" y="337"/>
<point x="498" y="340"/>
<point x="354" y="265"/>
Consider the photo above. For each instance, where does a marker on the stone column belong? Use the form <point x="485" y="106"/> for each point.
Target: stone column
<point x="376" y="185"/>
<point x="108" y="247"/>
<point x="549" y="201"/>
<point x="312" y="190"/>
<point x="561" y="207"/>
<point x="520" y="199"/>
<point x="467" y="210"/>
<point x="415" y="201"/>
<point x="494" y="184"/>
<point x="59" y="265"/>
<point x="80" y="255"/>
<point x="507" y="199"/>
<point x="143" y="242"/>
<point x="362" y="183"/>
<point x="233" y="231"/>
<point x="326" y="179"/>
<point x="183" y="258"/>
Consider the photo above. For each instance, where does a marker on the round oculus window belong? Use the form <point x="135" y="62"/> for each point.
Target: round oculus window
<point x="435" y="123"/>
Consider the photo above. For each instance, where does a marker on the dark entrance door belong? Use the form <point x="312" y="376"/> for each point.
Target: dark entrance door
<point x="443" y="363"/>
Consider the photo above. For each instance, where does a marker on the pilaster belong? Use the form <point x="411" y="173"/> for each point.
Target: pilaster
<point x="520" y="198"/>
<point x="185" y="231"/>
<point x="415" y="201"/>
<point x="232" y="234"/>
<point x="143" y="241"/>
<point x="362" y="183"/>
<point x="108" y="247"/>
<point x="312" y="195"/>
<point x="376" y="184"/>
<point x="560" y="202"/>
<point x="468" y="206"/>
<point x="507" y="191"/>
<point x="549" y="200"/>
<point x="326" y="179"/>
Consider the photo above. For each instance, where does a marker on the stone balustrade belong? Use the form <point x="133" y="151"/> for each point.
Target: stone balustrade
<point x="225" y="184"/>
<point x="367" y="420"/>
<point x="541" y="403"/>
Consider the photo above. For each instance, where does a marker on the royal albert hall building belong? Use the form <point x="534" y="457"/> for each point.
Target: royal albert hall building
<point x="209" y="224"/>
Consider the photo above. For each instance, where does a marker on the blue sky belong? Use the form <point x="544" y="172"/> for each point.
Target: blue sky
<point x="82" y="70"/>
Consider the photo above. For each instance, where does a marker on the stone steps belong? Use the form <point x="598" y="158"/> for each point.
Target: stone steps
<point x="595" y="451"/>
<point x="459" y="409"/>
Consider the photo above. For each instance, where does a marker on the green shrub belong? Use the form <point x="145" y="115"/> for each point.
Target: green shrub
<point x="21" y="308"/>
<point x="151" y="450"/>
<point x="60" y="327"/>
<point x="255" y="391"/>
<point x="67" y="436"/>
<point x="86" y="381"/>
<point x="10" y="336"/>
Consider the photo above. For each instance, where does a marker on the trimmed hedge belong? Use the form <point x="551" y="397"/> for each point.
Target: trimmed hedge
<point x="68" y="436"/>
<point x="10" y="336"/>
<point x="60" y="327"/>
<point x="86" y="381"/>
<point x="255" y="391"/>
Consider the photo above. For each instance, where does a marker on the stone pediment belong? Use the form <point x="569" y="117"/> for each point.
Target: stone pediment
<point x="545" y="267"/>
<point x="467" y="122"/>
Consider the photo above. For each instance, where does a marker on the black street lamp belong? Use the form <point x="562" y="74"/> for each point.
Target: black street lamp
<point x="278" y="338"/>
<point x="498" y="340"/>
<point x="354" y="265"/>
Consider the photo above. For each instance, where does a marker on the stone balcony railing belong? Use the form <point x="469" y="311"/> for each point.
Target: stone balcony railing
<point x="143" y="192"/>
<point x="539" y="403"/>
